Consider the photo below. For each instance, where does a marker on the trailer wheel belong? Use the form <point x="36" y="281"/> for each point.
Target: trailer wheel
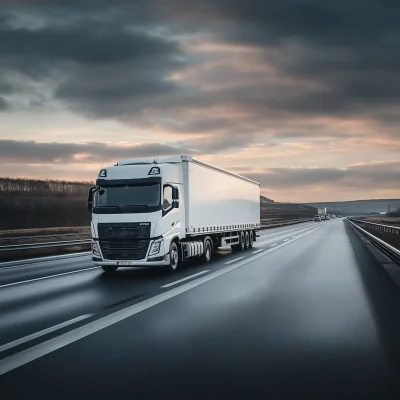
<point x="239" y="246"/>
<point x="109" y="268"/>
<point x="208" y="249"/>
<point x="242" y="240"/>
<point x="251" y="240"/>
<point x="174" y="259"/>
<point x="247" y="240"/>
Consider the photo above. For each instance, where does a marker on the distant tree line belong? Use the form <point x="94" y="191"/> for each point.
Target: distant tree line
<point x="32" y="203"/>
<point x="16" y="187"/>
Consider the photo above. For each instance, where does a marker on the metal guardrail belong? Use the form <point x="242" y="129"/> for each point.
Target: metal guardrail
<point x="295" y="221"/>
<point x="379" y="227"/>
<point x="9" y="238"/>
<point x="386" y="248"/>
<point x="33" y="246"/>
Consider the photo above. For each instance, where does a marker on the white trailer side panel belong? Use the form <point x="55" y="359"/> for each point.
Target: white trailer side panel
<point x="215" y="198"/>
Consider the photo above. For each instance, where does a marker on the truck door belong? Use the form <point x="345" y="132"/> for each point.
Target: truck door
<point x="171" y="212"/>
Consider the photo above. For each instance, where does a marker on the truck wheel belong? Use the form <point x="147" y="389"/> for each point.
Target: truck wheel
<point x="173" y="257"/>
<point x="251" y="240"/>
<point x="109" y="268"/>
<point x="239" y="246"/>
<point x="208" y="249"/>
<point x="247" y="240"/>
<point x="242" y="241"/>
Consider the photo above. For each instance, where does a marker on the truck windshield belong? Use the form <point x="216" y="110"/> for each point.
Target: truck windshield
<point x="129" y="195"/>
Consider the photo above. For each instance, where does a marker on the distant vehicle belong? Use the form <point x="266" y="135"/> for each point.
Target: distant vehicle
<point x="339" y="216"/>
<point x="317" y="218"/>
<point x="327" y="217"/>
<point x="161" y="211"/>
<point x="322" y="217"/>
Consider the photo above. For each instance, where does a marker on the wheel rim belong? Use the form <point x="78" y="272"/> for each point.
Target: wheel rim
<point x="247" y="239"/>
<point x="251" y="238"/>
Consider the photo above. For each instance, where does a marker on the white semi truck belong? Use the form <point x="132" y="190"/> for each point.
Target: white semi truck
<point x="163" y="211"/>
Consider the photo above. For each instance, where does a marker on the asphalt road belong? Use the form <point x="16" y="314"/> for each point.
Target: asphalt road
<point x="309" y="311"/>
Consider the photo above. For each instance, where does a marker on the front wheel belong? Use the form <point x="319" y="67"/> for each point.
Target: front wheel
<point x="173" y="257"/>
<point x="109" y="268"/>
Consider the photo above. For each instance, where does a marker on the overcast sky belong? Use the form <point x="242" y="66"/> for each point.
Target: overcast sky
<point x="301" y="95"/>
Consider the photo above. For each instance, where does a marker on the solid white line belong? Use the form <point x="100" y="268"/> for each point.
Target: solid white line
<point x="47" y="277"/>
<point x="16" y="360"/>
<point x="285" y="240"/>
<point x="185" y="279"/>
<point x="25" y="339"/>
<point x="272" y="245"/>
<point x="257" y="251"/>
<point x="232" y="261"/>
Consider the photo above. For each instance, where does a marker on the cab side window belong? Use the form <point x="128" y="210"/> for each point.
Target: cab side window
<point x="167" y="200"/>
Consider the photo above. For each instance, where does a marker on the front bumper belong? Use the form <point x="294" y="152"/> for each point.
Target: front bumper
<point x="156" y="261"/>
<point x="151" y="262"/>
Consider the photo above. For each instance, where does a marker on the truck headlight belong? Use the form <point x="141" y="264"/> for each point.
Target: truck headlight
<point x="95" y="249"/>
<point x="155" y="248"/>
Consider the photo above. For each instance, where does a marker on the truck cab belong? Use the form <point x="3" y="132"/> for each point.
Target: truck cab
<point x="136" y="213"/>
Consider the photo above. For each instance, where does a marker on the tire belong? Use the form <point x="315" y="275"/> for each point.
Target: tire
<point x="241" y="245"/>
<point x="208" y="250"/>
<point x="174" y="262"/>
<point x="251" y="239"/>
<point x="247" y="240"/>
<point x="109" y="268"/>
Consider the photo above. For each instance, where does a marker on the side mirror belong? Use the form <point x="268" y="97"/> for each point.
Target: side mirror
<point x="90" y="199"/>
<point x="175" y="204"/>
<point x="175" y="193"/>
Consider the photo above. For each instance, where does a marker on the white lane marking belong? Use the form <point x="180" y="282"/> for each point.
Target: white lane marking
<point x="294" y="237"/>
<point x="25" y="339"/>
<point x="232" y="261"/>
<point x="47" y="277"/>
<point x="24" y="357"/>
<point x="185" y="279"/>
<point x="42" y="260"/>
<point x="285" y="240"/>
<point x="272" y="245"/>
<point x="257" y="251"/>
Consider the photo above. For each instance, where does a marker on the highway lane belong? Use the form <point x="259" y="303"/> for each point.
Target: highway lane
<point x="34" y="269"/>
<point x="28" y="306"/>
<point x="314" y="316"/>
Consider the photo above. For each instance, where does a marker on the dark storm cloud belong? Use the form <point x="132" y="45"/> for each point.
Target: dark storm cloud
<point x="351" y="47"/>
<point x="373" y="175"/>
<point x="85" y="42"/>
<point x="105" y="63"/>
<point x="48" y="153"/>
<point x="96" y="65"/>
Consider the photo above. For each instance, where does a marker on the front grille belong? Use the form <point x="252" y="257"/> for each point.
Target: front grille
<point x="130" y="230"/>
<point x="124" y="249"/>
